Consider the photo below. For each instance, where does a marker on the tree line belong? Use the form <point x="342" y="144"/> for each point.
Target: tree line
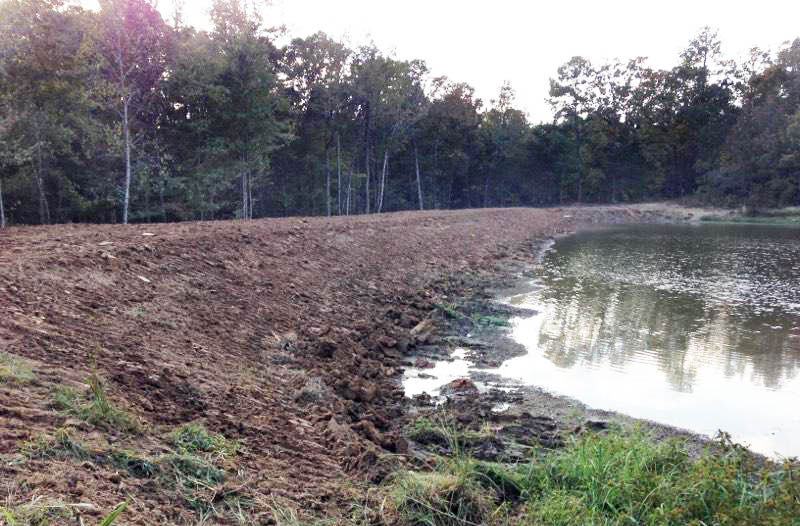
<point x="117" y="115"/>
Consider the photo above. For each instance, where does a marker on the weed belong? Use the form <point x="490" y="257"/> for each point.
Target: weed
<point x="449" y="309"/>
<point x="607" y="479"/>
<point x="138" y="467"/>
<point x="438" y="430"/>
<point x="14" y="370"/>
<point x="52" y="513"/>
<point x="192" y="478"/>
<point x="61" y="447"/>
<point x="447" y="498"/>
<point x="94" y="407"/>
<point x="194" y="438"/>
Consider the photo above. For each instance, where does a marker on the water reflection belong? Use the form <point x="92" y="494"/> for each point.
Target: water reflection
<point x="694" y="326"/>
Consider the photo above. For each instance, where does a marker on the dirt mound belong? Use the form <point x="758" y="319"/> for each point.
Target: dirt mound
<point x="286" y="337"/>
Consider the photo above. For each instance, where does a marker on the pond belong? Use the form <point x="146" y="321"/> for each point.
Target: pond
<point x="695" y="326"/>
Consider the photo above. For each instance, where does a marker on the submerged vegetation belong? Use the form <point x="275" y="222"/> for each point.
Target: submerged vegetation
<point x="612" y="479"/>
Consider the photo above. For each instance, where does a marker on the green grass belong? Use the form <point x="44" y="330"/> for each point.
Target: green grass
<point x="613" y="479"/>
<point x="95" y="407"/>
<point x="785" y="216"/>
<point x="61" y="447"/>
<point x="191" y="476"/>
<point x="52" y="513"/>
<point x="14" y="370"/>
<point x="194" y="438"/>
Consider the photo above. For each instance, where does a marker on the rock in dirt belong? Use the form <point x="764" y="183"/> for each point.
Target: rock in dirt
<point x="460" y="387"/>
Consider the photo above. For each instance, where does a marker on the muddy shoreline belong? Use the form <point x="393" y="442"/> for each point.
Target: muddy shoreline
<point x="507" y="404"/>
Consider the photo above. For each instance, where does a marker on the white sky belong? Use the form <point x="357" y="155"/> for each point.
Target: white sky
<point x="487" y="42"/>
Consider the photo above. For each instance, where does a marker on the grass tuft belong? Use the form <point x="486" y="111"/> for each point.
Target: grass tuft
<point x="61" y="447"/>
<point x="95" y="407"/>
<point x="194" y="438"/>
<point x="448" y="498"/>
<point x="14" y="370"/>
<point x="39" y="513"/>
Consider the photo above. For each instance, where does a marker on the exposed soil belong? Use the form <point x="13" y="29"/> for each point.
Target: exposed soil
<point x="289" y="336"/>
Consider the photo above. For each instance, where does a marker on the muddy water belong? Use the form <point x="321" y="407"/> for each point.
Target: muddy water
<point x="692" y="326"/>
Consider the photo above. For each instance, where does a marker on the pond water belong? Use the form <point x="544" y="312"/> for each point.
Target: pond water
<point x="695" y="326"/>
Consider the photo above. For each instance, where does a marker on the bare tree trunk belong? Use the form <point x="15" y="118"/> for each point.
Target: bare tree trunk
<point x="349" y="188"/>
<point x="419" y="179"/>
<point x="367" y="186"/>
<point x="338" y="175"/>
<point x="244" y="196"/>
<point x="249" y="196"/>
<point x="578" y="157"/>
<point x="366" y="156"/>
<point x="2" y="210"/>
<point x="327" y="179"/>
<point x="126" y="128"/>
<point x="383" y="180"/>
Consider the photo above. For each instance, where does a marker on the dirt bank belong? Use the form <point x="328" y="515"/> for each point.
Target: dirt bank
<point x="287" y="337"/>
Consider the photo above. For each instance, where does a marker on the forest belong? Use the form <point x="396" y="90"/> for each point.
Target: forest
<point x="120" y="115"/>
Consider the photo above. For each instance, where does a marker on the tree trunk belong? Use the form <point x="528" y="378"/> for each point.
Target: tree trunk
<point x="349" y="188"/>
<point x="44" y="209"/>
<point x="244" y="196"/>
<point x="578" y="159"/>
<point x="126" y="128"/>
<point x="327" y="179"/>
<point x="366" y="157"/>
<point x="367" y="185"/>
<point x="419" y="179"/>
<point x="338" y="176"/>
<point x="383" y="180"/>
<point x="249" y="196"/>
<point x="161" y="188"/>
<point x="2" y="210"/>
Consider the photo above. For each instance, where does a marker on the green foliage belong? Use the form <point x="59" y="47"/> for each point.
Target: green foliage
<point x="230" y="123"/>
<point x="193" y="479"/>
<point x="612" y="479"/>
<point x="46" y="514"/>
<point x="61" y="447"/>
<point x="109" y="520"/>
<point x="94" y="407"/>
<point x="14" y="370"/>
<point x="194" y="438"/>
<point x="450" y="310"/>
<point x="449" y="498"/>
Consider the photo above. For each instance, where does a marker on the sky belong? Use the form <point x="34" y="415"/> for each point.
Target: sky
<point x="485" y="43"/>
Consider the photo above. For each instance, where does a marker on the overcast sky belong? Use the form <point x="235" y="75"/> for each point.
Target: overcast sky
<point x="487" y="42"/>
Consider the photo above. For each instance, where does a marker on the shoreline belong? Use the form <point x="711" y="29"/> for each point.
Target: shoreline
<point x="492" y="346"/>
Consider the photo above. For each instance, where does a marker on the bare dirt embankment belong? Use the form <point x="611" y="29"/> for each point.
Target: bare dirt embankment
<point x="287" y="337"/>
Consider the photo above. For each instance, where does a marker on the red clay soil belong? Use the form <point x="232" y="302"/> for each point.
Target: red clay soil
<point x="284" y="335"/>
